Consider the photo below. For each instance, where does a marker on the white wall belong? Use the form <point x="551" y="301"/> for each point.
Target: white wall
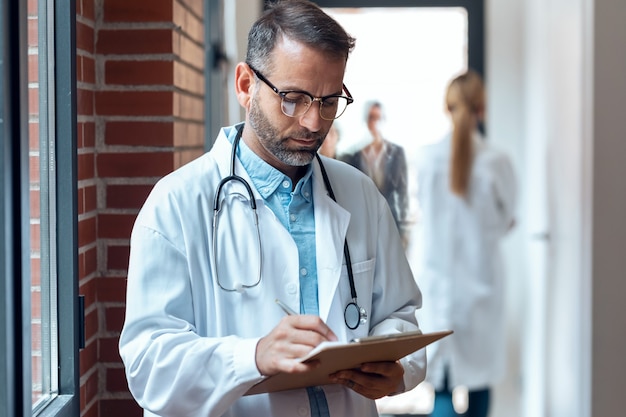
<point x="556" y="73"/>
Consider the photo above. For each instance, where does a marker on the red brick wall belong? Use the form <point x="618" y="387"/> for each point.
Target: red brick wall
<point x="140" y="67"/>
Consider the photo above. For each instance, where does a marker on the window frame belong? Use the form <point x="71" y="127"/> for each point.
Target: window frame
<point x="475" y="21"/>
<point x="15" y="340"/>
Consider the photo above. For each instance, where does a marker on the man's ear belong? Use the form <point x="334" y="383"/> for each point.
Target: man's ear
<point x="244" y="84"/>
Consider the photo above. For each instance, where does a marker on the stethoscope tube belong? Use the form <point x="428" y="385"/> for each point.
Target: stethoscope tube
<point x="353" y="307"/>
<point x="353" y="313"/>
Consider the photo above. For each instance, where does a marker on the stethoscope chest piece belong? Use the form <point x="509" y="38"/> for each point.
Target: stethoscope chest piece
<point x="354" y="315"/>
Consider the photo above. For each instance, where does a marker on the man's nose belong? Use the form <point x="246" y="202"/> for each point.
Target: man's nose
<point x="312" y="119"/>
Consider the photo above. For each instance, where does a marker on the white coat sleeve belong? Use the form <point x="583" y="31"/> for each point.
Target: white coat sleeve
<point x="171" y="370"/>
<point x="396" y="296"/>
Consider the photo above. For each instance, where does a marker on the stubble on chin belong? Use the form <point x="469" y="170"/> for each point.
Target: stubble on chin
<point x="269" y="137"/>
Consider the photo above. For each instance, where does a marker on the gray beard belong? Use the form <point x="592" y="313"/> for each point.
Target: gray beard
<point x="270" y="139"/>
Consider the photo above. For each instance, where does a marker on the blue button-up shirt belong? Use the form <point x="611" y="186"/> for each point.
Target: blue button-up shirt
<point x="294" y="209"/>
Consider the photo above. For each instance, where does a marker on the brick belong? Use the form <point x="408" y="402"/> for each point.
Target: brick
<point x="35" y="204"/>
<point x="116" y="380"/>
<point x="137" y="11"/>
<point x="127" y="196"/>
<point x="188" y="107"/>
<point x="114" y="319"/>
<point x="88" y="289"/>
<point x="194" y="5"/>
<point x="33" y="68"/>
<point x="111" y="289"/>
<point x="91" y="324"/>
<point x="84" y="102"/>
<point x="139" y="164"/>
<point x="86" y="231"/>
<point x="190" y="23"/>
<point x="188" y="79"/>
<point x="90" y="388"/>
<point x="35" y="338"/>
<point x="115" y="226"/>
<point x="86" y="167"/>
<point x="33" y="101"/>
<point x="35" y="237"/>
<point x="109" y="350"/>
<point x="88" y="358"/>
<point x="188" y="51"/>
<point x="91" y="261"/>
<point x="35" y="271"/>
<point x="32" y="7"/>
<point x="88" y="10"/>
<point x="33" y="31"/>
<point x="134" y="103"/>
<point x="87" y="73"/>
<point x="139" y="133"/>
<point x="120" y="407"/>
<point x="89" y="134"/>
<point x="189" y="134"/>
<point x="33" y="135"/>
<point x="139" y="72"/>
<point x="33" y="169"/>
<point x="85" y="37"/>
<point x="91" y="198"/>
<point x="134" y="41"/>
<point x="90" y="410"/>
<point x="80" y="200"/>
<point x="117" y="257"/>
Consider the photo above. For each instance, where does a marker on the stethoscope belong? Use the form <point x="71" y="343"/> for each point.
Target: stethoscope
<point x="353" y="315"/>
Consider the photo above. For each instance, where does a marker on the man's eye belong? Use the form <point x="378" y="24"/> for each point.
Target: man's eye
<point x="296" y="98"/>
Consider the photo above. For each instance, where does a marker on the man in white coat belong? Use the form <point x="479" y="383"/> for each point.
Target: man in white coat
<point x="209" y="256"/>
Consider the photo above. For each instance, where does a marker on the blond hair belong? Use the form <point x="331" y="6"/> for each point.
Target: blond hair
<point x="470" y="91"/>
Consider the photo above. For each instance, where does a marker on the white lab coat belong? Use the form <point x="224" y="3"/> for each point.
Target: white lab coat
<point x="462" y="274"/>
<point x="189" y="347"/>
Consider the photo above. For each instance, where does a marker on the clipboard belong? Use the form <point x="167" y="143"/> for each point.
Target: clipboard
<point x="335" y="356"/>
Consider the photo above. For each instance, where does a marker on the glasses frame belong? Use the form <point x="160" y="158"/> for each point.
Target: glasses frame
<point x="283" y="93"/>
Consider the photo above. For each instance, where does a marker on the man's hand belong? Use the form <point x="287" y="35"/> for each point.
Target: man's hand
<point x="291" y="339"/>
<point x="373" y="380"/>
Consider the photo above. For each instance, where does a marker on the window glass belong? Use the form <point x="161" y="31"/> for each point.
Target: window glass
<point x="43" y="317"/>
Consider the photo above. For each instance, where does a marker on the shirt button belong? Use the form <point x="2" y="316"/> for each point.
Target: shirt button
<point x="303" y="411"/>
<point x="306" y="194"/>
<point x="303" y="271"/>
<point x="285" y="184"/>
<point x="292" y="217"/>
<point x="292" y="288"/>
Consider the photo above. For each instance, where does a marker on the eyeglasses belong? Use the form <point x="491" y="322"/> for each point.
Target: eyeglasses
<point x="294" y="103"/>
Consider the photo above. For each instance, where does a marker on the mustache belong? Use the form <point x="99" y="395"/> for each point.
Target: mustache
<point x="306" y="135"/>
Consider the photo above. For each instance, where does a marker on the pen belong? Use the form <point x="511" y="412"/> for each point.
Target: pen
<point x="286" y="308"/>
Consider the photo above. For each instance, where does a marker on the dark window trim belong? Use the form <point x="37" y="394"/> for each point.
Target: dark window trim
<point x="67" y="404"/>
<point x="475" y="16"/>
<point x="15" y="381"/>
<point x="15" y="264"/>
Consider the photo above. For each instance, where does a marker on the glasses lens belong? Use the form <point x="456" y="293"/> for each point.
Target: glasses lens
<point x="295" y="104"/>
<point x="333" y="107"/>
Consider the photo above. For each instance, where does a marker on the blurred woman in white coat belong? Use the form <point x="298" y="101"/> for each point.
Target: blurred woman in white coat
<point x="467" y="196"/>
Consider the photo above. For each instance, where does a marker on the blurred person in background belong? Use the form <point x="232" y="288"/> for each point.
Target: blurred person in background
<point x="466" y="193"/>
<point x="385" y="163"/>
<point x="329" y="146"/>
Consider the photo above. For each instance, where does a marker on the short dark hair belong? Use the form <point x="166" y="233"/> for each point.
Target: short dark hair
<point x="300" y="20"/>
